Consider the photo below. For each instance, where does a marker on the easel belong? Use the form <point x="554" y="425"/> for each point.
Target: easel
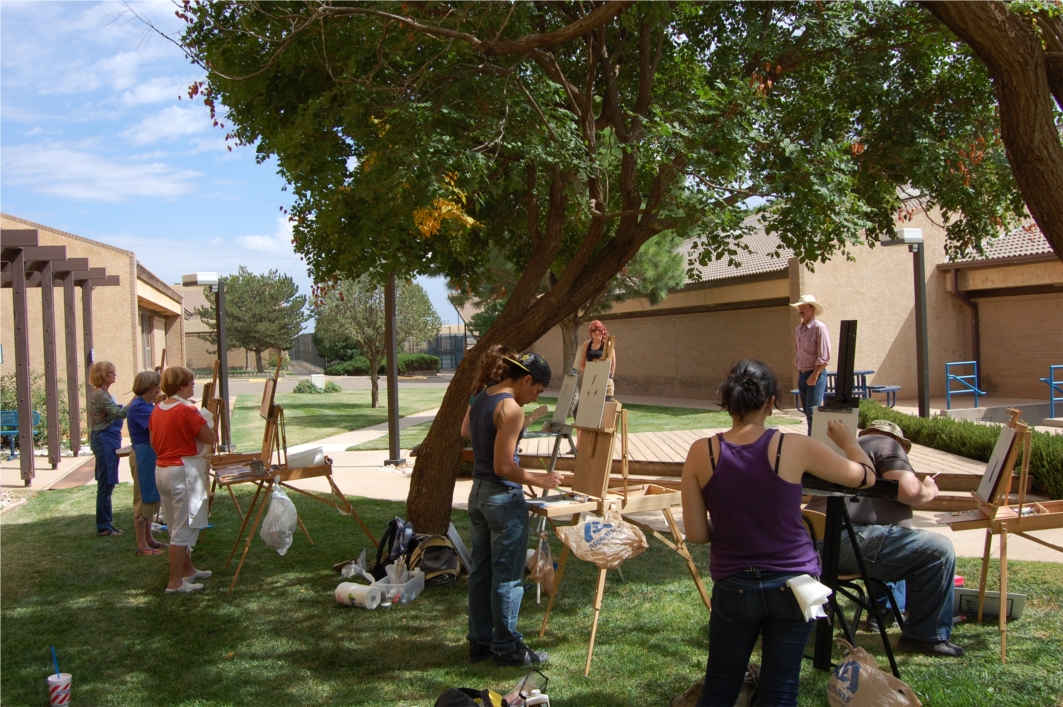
<point x="260" y="469"/>
<point x="998" y="518"/>
<point x="591" y="492"/>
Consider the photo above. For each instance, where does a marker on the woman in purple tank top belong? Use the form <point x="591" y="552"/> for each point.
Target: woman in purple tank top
<point x="742" y="493"/>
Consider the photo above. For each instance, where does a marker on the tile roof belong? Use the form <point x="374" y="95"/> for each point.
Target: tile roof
<point x="1023" y="241"/>
<point x="760" y="260"/>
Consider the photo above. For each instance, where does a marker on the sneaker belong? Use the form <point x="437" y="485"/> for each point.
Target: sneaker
<point x="479" y="652"/>
<point x="199" y="574"/>
<point x="185" y="588"/>
<point x="910" y="645"/>
<point x="521" y="655"/>
<point x="871" y="623"/>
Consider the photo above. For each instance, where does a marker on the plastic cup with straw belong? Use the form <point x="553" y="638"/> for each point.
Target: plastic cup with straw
<point x="58" y="685"/>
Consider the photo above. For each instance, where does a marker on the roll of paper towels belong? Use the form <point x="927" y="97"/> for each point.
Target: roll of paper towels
<point x="811" y="595"/>
<point x="351" y="594"/>
<point x="308" y="457"/>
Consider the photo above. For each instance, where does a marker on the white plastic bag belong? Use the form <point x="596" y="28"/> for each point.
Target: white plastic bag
<point x="606" y="541"/>
<point x="280" y="523"/>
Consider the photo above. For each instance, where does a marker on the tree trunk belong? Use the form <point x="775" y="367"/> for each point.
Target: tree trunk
<point x="570" y="341"/>
<point x="258" y="361"/>
<point x="1010" y="48"/>
<point x="374" y="383"/>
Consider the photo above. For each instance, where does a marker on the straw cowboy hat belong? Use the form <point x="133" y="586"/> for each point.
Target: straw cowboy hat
<point x="809" y="299"/>
<point x="885" y="427"/>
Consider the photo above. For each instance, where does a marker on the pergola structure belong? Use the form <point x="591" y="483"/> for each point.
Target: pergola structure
<point x="23" y="265"/>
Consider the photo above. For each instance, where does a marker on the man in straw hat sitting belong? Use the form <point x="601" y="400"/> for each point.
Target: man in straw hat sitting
<point x="923" y="561"/>
<point x="813" y="355"/>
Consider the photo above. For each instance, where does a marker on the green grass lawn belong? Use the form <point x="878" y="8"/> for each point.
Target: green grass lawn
<point x="310" y="417"/>
<point x="280" y="639"/>
<point x="641" y="418"/>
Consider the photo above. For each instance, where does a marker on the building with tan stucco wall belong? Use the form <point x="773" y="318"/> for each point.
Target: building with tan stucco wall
<point x="132" y="324"/>
<point x="683" y="346"/>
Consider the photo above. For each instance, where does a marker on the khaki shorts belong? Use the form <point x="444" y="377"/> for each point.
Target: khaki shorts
<point x="147" y="511"/>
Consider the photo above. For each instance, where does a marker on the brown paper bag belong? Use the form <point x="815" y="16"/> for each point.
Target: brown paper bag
<point x="606" y="541"/>
<point x="858" y="682"/>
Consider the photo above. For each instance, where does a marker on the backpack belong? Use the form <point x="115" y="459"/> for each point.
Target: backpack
<point x="436" y="556"/>
<point x="393" y="544"/>
<point x="466" y="697"/>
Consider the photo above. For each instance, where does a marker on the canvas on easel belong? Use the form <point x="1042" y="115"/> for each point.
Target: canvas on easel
<point x="592" y="394"/>
<point x="268" y="468"/>
<point x="591" y="484"/>
<point x="997" y="517"/>
<point x="564" y="399"/>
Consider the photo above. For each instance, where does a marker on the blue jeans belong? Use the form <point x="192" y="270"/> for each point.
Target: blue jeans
<point x="105" y="451"/>
<point x="925" y="561"/>
<point x="498" y="524"/>
<point x="810" y="397"/>
<point x="745" y="606"/>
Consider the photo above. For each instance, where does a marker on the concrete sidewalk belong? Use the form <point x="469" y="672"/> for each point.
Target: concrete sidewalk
<point x="340" y="442"/>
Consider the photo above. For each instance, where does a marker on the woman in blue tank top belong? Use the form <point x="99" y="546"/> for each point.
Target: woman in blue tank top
<point x="742" y="493"/>
<point x="498" y="514"/>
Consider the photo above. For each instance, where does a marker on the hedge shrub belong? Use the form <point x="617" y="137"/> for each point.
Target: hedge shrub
<point x="331" y="387"/>
<point x="408" y="363"/>
<point x="975" y="441"/>
<point x="305" y="386"/>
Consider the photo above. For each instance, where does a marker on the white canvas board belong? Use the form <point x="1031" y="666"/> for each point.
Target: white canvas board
<point x="996" y="463"/>
<point x="820" y="418"/>
<point x="564" y="399"/>
<point x="592" y="394"/>
<point x="459" y="545"/>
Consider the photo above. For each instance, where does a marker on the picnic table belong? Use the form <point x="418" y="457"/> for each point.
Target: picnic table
<point x="859" y="382"/>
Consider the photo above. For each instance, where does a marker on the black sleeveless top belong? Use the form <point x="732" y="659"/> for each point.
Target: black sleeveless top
<point x="483" y="431"/>
<point x="594" y="354"/>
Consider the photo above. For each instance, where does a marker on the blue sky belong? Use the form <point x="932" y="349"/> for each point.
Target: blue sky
<point x="95" y="141"/>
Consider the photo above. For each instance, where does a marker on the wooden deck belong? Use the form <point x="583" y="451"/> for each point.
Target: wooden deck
<point x="659" y="456"/>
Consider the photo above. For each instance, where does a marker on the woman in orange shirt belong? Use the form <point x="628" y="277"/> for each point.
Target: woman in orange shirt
<point x="181" y="474"/>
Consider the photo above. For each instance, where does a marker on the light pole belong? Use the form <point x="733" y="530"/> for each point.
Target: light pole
<point x="211" y="280"/>
<point x="393" y="374"/>
<point x="913" y="238"/>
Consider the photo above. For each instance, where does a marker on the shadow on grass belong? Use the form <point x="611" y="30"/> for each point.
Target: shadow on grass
<point x="280" y="639"/>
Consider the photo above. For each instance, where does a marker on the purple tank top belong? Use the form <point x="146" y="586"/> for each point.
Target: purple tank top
<point x="755" y="515"/>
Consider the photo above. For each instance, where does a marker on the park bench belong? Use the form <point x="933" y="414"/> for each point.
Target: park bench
<point x="890" y="391"/>
<point x="1055" y="387"/>
<point x="9" y="427"/>
<point x="968" y="382"/>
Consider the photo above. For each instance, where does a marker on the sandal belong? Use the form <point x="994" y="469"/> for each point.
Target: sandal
<point x="158" y="545"/>
<point x="149" y="551"/>
<point x="109" y="533"/>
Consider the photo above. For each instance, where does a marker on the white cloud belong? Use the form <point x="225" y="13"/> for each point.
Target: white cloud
<point x="156" y="90"/>
<point x="168" y="124"/>
<point x="280" y="242"/>
<point x="73" y="172"/>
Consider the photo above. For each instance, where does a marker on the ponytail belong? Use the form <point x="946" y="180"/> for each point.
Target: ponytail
<point x="493" y="367"/>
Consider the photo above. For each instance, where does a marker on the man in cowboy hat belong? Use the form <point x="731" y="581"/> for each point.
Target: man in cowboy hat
<point x="919" y="563"/>
<point x="813" y="355"/>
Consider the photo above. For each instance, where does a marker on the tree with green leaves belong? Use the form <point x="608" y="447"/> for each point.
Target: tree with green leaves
<point x="432" y="138"/>
<point x="351" y="313"/>
<point x="262" y="312"/>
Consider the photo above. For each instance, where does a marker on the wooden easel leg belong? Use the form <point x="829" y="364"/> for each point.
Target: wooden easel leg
<point x="681" y="548"/>
<point x="557" y="588"/>
<point x="243" y="525"/>
<point x="985" y="571"/>
<point x="597" y="612"/>
<point x="1003" y="594"/>
<point x="250" y="535"/>
<point x="349" y="509"/>
<point x="236" y="503"/>
<point x="305" y="531"/>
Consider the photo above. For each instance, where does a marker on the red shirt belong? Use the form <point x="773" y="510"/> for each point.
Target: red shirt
<point x="173" y="433"/>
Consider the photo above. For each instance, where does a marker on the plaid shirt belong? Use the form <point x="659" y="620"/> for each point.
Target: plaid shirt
<point x="813" y="345"/>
